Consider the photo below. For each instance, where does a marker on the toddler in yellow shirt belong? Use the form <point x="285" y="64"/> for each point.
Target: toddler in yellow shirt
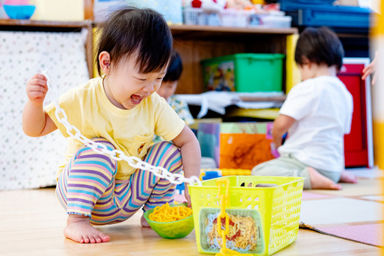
<point x="121" y="110"/>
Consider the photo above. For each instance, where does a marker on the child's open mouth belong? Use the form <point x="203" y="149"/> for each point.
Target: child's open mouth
<point x="136" y="99"/>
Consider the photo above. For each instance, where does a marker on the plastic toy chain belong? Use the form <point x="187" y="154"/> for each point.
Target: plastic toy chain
<point x="119" y="155"/>
<point x="224" y="204"/>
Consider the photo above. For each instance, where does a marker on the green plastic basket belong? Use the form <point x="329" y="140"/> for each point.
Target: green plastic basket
<point x="244" y="72"/>
<point x="171" y="230"/>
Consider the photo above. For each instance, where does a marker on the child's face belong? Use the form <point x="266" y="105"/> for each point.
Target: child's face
<point x="167" y="89"/>
<point x="127" y="86"/>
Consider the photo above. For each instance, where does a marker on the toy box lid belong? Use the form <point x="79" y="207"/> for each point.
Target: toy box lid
<point x="294" y="5"/>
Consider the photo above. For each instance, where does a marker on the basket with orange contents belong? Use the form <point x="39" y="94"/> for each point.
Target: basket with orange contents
<point x="170" y="220"/>
<point x="246" y="215"/>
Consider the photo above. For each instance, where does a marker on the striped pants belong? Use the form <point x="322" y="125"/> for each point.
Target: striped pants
<point x="88" y="186"/>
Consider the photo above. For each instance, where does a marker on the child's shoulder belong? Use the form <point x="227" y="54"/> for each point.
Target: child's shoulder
<point x="83" y="89"/>
<point x="307" y="85"/>
<point x="156" y="99"/>
<point x="90" y="85"/>
<point x="153" y="102"/>
<point x="318" y="83"/>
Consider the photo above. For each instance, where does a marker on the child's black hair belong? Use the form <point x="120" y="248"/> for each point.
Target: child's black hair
<point x="320" y="46"/>
<point x="142" y="31"/>
<point x="175" y="68"/>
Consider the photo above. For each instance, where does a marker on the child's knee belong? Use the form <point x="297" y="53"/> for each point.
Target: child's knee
<point x="165" y="145"/>
<point x="171" y="156"/>
<point x="259" y="169"/>
<point x="98" y="158"/>
<point x="104" y="142"/>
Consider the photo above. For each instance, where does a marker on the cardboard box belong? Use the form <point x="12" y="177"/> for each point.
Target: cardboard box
<point x="236" y="145"/>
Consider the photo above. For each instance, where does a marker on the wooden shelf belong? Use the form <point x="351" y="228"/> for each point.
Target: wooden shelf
<point x="45" y="24"/>
<point x="251" y="98"/>
<point x="214" y="33"/>
<point x="216" y="30"/>
<point x="196" y="43"/>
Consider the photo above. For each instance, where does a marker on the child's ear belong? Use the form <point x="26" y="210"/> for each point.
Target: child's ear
<point x="305" y="61"/>
<point x="105" y="62"/>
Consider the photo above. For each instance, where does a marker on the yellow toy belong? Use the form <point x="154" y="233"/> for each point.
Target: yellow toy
<point x="246" y="215"/>
<point x="224" y="201"/>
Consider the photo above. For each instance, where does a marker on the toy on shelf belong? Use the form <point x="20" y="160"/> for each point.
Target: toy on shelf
<point x="244" y="72"/>
<point x="239" y="4"/>
<point x="19" y="9"/>
<point x="209" y="5"/>
<point x="234" y="13"/>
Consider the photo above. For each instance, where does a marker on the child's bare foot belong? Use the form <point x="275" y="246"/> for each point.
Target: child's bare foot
<point x="319" y="181"/>
<point x="80" y="230"/>
<point x="348" y="177"/>
<point x="144" y="222"/>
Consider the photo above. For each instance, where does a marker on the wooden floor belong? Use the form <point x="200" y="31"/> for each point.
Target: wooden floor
<point x="32" y="222"/>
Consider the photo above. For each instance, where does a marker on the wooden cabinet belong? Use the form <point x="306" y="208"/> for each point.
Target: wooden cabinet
<point x="195" y="43"/>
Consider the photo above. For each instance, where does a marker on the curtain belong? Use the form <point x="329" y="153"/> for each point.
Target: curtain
<point x="27" y="162"/>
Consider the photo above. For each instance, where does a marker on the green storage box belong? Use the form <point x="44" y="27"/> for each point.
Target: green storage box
<point x="244" y="72"/>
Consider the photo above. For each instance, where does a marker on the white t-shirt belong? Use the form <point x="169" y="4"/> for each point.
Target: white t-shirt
<point x="322" y="108"/>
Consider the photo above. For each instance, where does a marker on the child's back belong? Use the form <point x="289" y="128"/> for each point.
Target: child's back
<point x="323" y="108"/>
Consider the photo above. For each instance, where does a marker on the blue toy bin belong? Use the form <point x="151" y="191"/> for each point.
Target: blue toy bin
<point x="19" y="12"/>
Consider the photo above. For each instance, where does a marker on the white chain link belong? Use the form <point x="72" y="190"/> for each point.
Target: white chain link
<point x="119" y="155"/>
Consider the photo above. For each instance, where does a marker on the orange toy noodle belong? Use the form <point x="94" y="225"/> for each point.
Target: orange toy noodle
<point x="167" y="213"/>
<point x="241" y="231"/>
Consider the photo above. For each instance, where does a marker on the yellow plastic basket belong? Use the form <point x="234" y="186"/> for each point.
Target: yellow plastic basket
<point x="276" y="200"/>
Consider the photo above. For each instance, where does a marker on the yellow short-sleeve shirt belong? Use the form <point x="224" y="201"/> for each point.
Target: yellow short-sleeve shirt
<point x="131" y="131"/>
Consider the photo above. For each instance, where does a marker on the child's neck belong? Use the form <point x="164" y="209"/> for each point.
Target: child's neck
<point x="324" y="70"/>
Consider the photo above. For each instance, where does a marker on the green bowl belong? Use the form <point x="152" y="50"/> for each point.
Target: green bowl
<point x="171" y="230"/>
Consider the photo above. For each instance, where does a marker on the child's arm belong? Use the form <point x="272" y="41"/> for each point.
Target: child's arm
<point x="36" y="121"/>
<point x="190" y="153"/>
<point x="281" y="126"/>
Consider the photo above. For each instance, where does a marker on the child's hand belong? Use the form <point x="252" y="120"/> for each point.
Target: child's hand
<point x="186" y="194"/>
<point x="37" y="89"/>
<point x="368" y="70"/>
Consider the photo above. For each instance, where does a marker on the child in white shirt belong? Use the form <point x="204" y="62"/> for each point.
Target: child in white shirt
<point x="316" y="114"/>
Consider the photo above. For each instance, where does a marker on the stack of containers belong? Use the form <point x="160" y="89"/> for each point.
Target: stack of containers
<point x="215" y="14"/>
<point x="244" y="72"/>
<point x="170" y="9"/>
